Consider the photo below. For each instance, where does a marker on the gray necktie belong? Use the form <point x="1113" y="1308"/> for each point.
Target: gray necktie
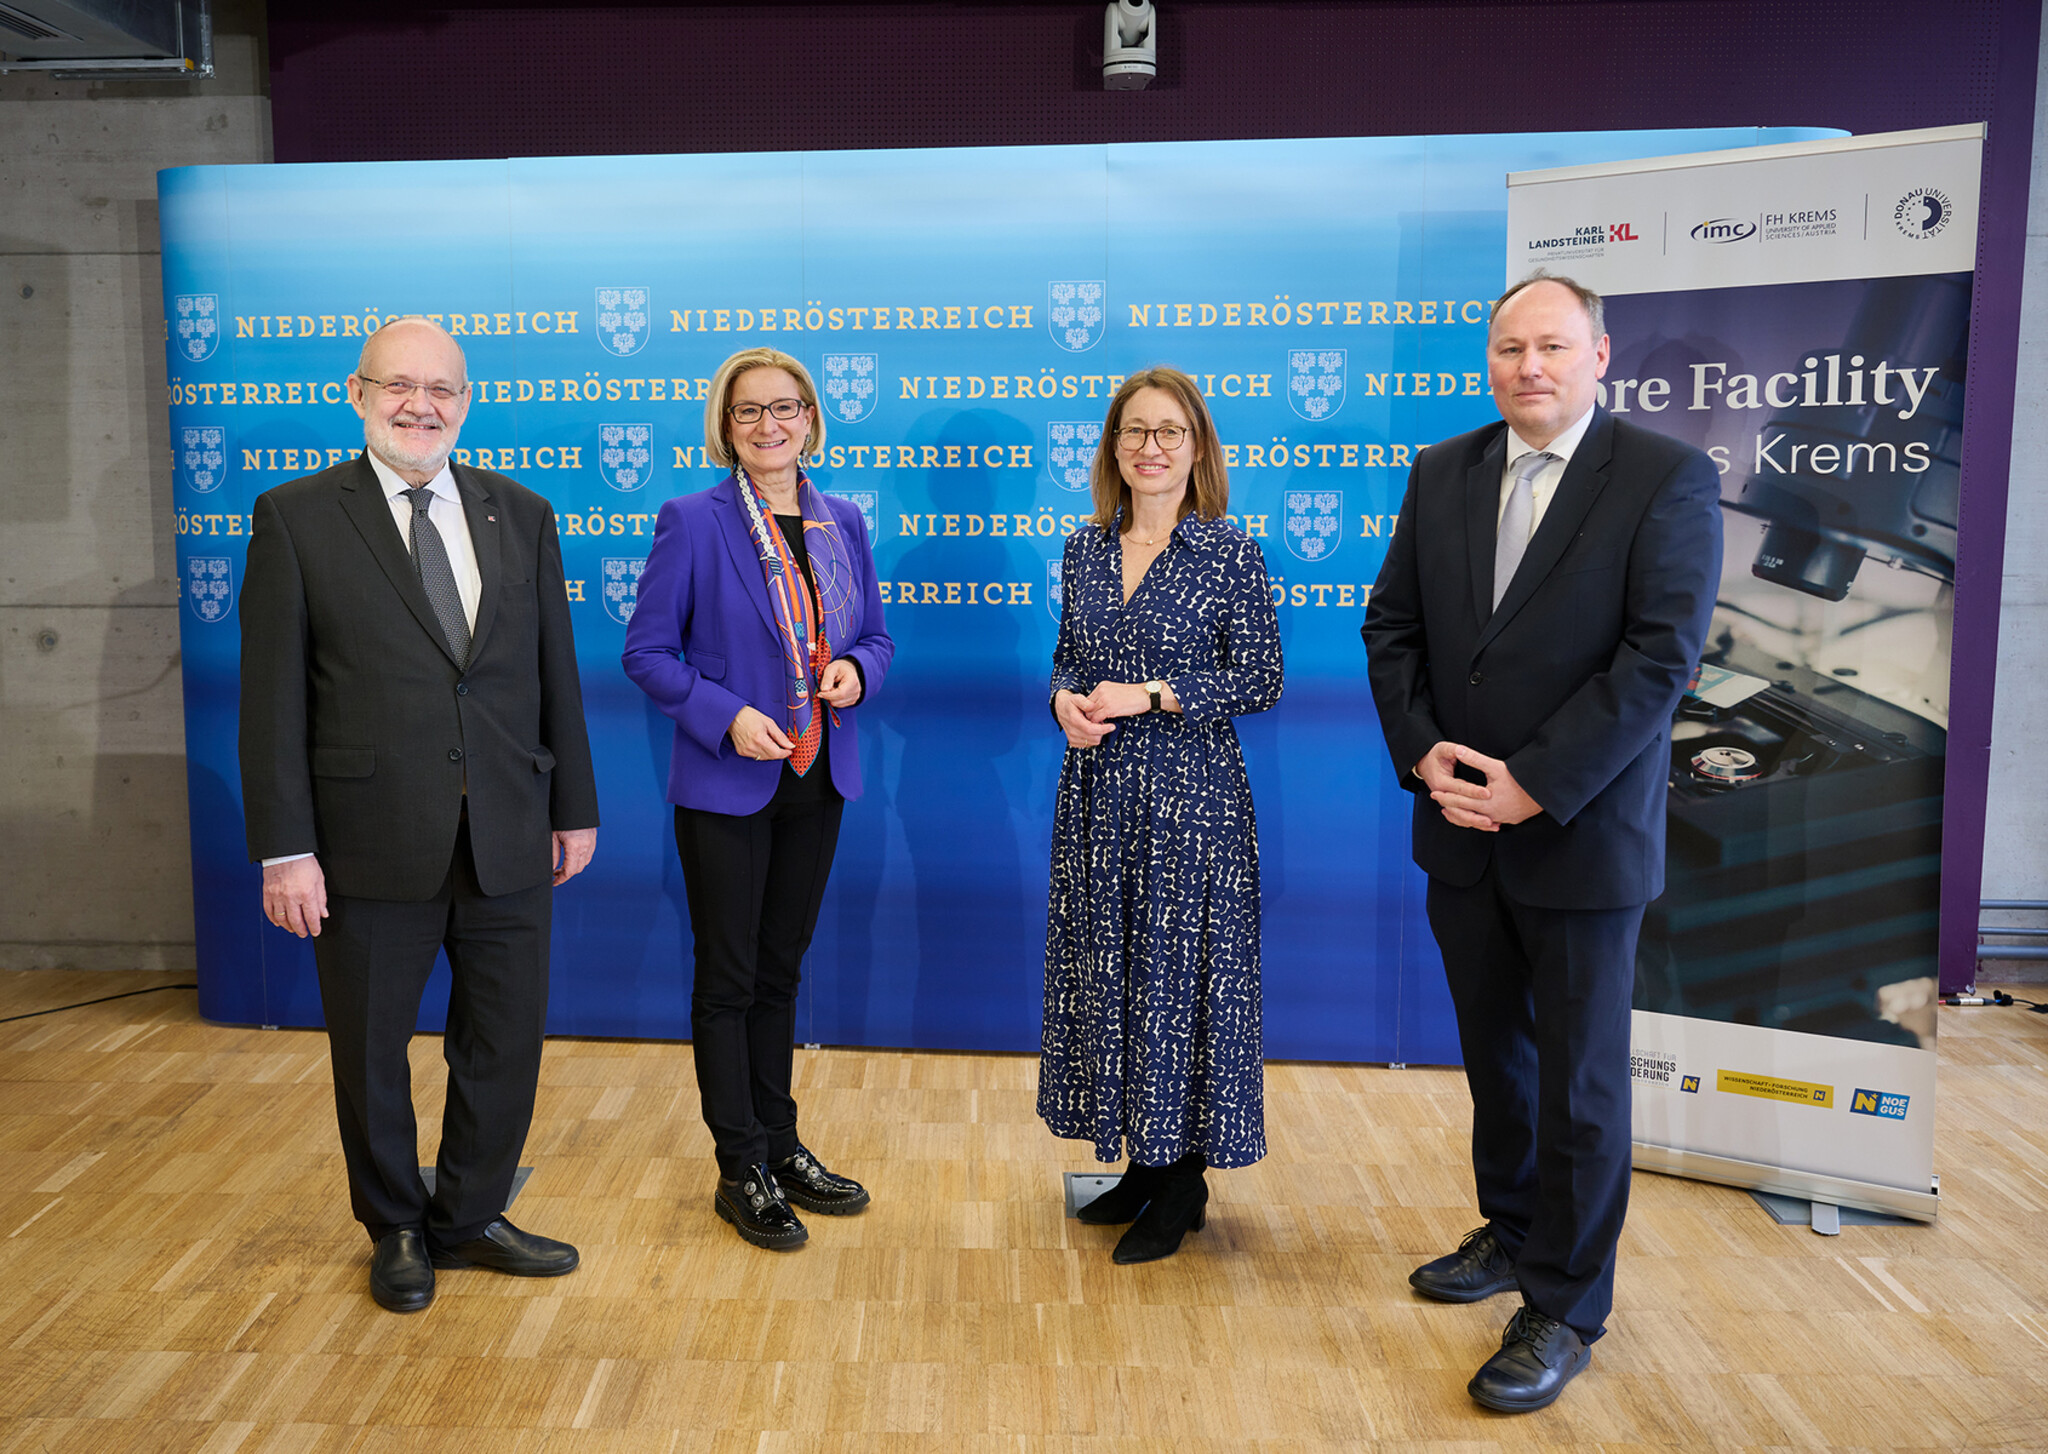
<point x="1513" y="537"/>
<point x="430" y="559"/>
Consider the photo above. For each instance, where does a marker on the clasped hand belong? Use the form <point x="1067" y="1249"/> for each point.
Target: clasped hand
<point x="754" y="734"/>
<point x="1488" y="806"/>
<point x="1087" y="720"/>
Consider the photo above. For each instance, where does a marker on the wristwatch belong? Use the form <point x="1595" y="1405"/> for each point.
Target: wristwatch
<point x="1155" y="688"/>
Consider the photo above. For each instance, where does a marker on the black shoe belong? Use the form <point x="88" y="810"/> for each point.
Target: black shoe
<point x="758" y="1210"/>
<point x="1478" y="1269"/>
<point x="1179" y="1206"/>
<point x="1538" y="1357"/>
<point x="401" y="1277"/>
<point x="805" y="1181"/>
<point x="502" y="1247"/>
<point x="1122" y="1202"/>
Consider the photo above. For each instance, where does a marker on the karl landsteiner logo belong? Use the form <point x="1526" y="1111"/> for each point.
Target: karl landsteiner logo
<point x="625" y="454"/>
<point x="1070" y="446"/>
<point x="197" y="328"/>
<point x="1724" y="229"/>
<point x="623" y="320"/>
<point x="1315" y="522"/>
<point x="850" y="386"/>
<point x="870" y="508"/>
<point x="202" y="457"/>
<point x="1077" y="314"/>
<point x="622" y="585"/>
<point x="210" y="586"/>
<point x="1923" y="212"/>
<point x="1879" y="1103"/>
<point x="1315" y="381"/>
<point x="1055" y="587"/>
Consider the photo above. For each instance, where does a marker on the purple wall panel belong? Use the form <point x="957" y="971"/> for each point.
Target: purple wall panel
<point x="538" y="79"/>
<point x="533" y="80"/>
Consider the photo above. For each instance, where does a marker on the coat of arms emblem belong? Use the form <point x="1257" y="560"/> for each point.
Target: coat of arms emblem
<point x="210" y="586"/>
<point x="850" y="378"/>
<point x="1315" y="381"/>
<point x="1077" y="314"/>
<point x="1314" y="522"/>
<point x="196" y="325"/>
<point x="624" y="320"/>
<point x="202" y="457"/>
<point x="625" y="454"/>
<point x="621" y="585"/>
<point x="1070" y="446"/>
<point x="870" y="503"/>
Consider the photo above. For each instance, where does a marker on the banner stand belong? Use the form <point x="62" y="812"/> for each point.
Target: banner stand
<point x="1836" y="1191"/>
<point x="1800" y="313"/>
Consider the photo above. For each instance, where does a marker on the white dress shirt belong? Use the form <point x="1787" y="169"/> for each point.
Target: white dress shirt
<point x="447" y="514"/>
<point x="445" y="510"/>
<point x="1545" y="484"/>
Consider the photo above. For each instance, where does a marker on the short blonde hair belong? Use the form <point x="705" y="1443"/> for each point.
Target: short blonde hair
<point x="717" y="428"/>
<point x="1208" y="482"/>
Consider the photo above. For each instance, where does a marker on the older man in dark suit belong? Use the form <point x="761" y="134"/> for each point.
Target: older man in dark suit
<point x="416" y="775"/>
<point x="1541" y="609"/>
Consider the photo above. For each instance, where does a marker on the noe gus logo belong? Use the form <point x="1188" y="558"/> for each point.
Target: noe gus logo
<point x="1724" y="229"/>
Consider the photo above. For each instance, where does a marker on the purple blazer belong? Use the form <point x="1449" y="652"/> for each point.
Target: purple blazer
<point x="702" y="644"/>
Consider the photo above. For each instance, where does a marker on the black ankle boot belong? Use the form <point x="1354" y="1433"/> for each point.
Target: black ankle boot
<point x="1122" y="1202"/>
<point x="1177" y="1208"/>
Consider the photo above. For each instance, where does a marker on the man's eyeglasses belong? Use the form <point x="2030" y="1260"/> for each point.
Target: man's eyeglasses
<point x="403" y="389"/>
<point x="780" y="409"/>
<point x="1170" y="437"/>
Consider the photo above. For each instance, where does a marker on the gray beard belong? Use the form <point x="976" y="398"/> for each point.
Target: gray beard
<point x="392" y="453"/>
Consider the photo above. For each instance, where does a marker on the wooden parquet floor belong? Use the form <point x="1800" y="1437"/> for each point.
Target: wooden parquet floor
<point x="179" y="1271"/>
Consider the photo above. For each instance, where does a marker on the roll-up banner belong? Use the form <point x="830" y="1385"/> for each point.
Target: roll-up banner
<point x="966" y="314"/>
<point x="1801" y="312"/>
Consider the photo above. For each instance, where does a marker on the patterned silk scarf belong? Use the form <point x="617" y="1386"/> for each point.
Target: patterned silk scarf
<point x="813" y="626"/>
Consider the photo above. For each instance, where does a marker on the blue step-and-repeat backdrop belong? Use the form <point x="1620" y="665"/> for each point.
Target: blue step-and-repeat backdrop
<point x="967" y="315"/>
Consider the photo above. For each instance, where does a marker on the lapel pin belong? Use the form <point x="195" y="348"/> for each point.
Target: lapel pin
<point x="492" y="518"/>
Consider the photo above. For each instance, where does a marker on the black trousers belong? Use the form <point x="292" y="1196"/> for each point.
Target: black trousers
<point x="374" y="956"/>
<point x="754" y="884"/>
<point x="1543" y="997"/>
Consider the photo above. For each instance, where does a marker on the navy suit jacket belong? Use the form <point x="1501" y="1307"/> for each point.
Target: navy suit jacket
<point x="1573" y="679"/>
<point x="702" y="643"/>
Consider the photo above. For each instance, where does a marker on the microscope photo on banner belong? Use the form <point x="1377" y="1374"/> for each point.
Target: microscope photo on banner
<point x="967" y="315"/>
<point x="1802" y="314"/>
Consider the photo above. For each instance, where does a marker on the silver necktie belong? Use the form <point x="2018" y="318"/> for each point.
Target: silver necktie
<point x="1515" y="520"/>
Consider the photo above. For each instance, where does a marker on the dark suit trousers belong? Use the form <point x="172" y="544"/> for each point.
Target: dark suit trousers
<point x="754" y="883"/>
<point x="1542" y="998"/>
<point x="374" y="956"/>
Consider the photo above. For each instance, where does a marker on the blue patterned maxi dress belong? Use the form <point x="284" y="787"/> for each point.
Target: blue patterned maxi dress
<point x="1152" y="1009"/>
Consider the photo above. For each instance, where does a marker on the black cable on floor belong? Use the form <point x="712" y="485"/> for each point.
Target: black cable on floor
<point x="9" y="1019"/>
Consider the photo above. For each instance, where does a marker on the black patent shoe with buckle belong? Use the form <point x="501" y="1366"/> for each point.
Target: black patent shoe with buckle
<point x="758" y="1211"/>
<point x="1538" y="1357"/>
<point x="1479" y="1268"/>
<point x="805" y="1181"/>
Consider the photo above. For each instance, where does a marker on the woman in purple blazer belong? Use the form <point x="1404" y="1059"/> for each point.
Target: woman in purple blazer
<point x="759" y="630"/>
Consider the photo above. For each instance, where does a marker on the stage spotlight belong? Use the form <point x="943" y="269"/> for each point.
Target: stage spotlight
<point x="1130" y="45"/>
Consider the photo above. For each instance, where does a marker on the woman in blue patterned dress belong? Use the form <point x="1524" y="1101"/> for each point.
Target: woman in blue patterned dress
<point x="1152" y="1012"/>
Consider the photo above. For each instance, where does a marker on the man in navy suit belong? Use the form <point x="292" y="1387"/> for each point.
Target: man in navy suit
<point x="1542" y="607"/>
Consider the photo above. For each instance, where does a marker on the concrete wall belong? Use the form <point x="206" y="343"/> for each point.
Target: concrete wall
<point x="2016" y="818"/>
<point x="95" y="869"/>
